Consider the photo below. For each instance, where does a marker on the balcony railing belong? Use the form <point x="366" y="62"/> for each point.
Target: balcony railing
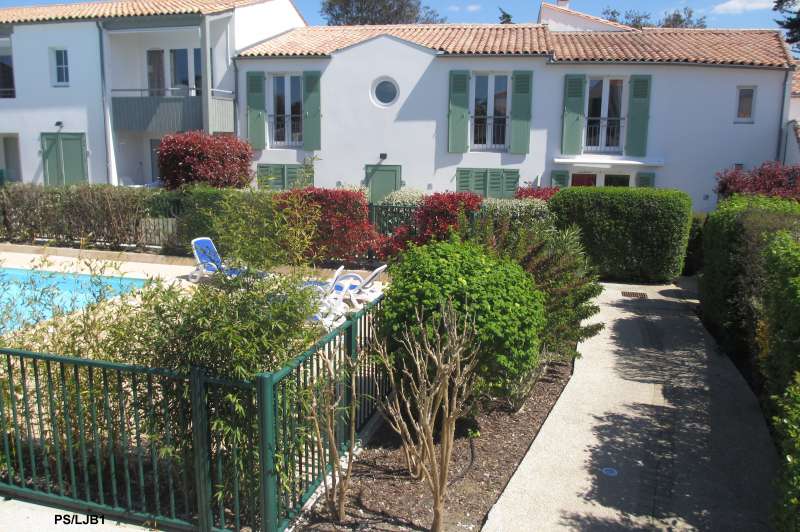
<point x="490" y="133"/>
<point x="286" y="130"/>
<point x="604" y="135"/>
<point x="8" y="93"/>
<point x="165" y="91"/>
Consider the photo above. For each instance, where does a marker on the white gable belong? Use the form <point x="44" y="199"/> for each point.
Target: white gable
<point x="561" y="18"/>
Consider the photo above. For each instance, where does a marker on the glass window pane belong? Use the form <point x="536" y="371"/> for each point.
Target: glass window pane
<point x="279" y="107"/>
<point x="296" y="103"/>
<point x="745" y="104"/>
<point x="500" y="108"/>
<point x="615" y="98"/>
<point x="180" y="68"/>
<point x="198" y="68"/>
<point x="62" y="67"/>
<point x="617" y="180"/>
<point x="595" y="98"/>
<point x="479" y="135"/>
<point x="386" y="92"/>
<point x="584" y="180"/>
<point x="6" y="76"/>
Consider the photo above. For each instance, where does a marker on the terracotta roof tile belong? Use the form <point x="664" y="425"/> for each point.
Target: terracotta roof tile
<point x="121" y="8"/>
<point x="528" y="39"/>
<point x="711" y="46"/>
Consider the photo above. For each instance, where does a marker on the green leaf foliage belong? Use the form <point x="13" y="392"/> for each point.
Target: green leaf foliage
<point x="507" y="308"/>
<point x="630" y="234"/>
<point x="787" y="427"/>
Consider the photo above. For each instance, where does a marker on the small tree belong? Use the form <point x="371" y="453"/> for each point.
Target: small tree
<point x="350" y="12"/>
<point x="196" y="157"/>
<point x="433" y="380"/>
<point x="505" y="16"/>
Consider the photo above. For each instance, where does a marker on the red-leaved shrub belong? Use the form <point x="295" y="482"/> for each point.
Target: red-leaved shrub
<point x="439" y="212"/>
<point x="344" y="231"/>
<point x="542" y="193"/>
<point x="196" y="157"/>
<point x="769" y="179"/>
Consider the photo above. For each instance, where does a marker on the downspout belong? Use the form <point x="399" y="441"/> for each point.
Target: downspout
<point x="235" y="97"/>
<point x="786" y="95"/>
<point x="109" y="142"/>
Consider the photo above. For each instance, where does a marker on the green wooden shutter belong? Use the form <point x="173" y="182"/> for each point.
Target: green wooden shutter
<point x="51" y="160"/>
<point x="480" y="181"/>
<point x="73" y="154"/>
<point x="574" y="109"/>
<point x="256" y="100"/>
<point x="312" y="111"/>
<point x="521" y="93"/>
<point x="638" y="116"/>
<point x="292" y="175"/>
<point x="463" y="180"/>
<point x="458" y="115"/>
<point x="510" y="183"/>
<point x="495" y="183"/>
<point x="271" y="176"/>
<point x="645" y="179"/>
<point x="559" y="178"/>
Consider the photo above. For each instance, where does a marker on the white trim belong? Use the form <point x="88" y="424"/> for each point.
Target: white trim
<point x="491" y="75"/>
<point x="54" y="67"/>
<point x="605" y="161"/>
<point x="752" y="119"/>
<point x="374" y="86"/>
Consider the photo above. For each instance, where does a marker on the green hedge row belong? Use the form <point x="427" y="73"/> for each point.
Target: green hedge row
<point x="636" y="234"/>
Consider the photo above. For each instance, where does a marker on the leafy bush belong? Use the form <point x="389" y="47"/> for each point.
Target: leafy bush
<point x="262" y="230"/>
<point x="731" y="286"/>
<point x="522" y="212"/>
<point x="198" y="203"/>
<point x="344" y="231"/>
<point x="693" y="262"/>
<point x="405" y="197"/>
<point x="636" y="234"/>
<point x="769" y="179"/>
<point x="508" y="309"/>
<point x="439" y="213"/>
<point x="541" y="193"/>
<point x="101" y="215"/>
<point x="197" y="157"/>
<point x="560" y="268"/>
<point x="779" y="328"/>
<point x="787" y="427"/>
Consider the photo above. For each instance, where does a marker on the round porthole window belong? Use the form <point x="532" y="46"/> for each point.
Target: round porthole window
<point x="385" y="91"/>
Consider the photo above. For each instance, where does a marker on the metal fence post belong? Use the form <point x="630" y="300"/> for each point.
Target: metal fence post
<point x="202" y="458"/>
<point x="266" y="452"/>
<point x="351" y="349"/>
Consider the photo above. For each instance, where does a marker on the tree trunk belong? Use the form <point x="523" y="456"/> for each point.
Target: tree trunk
<point x="438" y="516"/>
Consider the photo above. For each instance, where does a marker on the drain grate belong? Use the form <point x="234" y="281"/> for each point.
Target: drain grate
<point x="637" y="295"/>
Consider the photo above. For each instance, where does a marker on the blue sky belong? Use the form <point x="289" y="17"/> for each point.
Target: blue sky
<point x="720" y="13"/>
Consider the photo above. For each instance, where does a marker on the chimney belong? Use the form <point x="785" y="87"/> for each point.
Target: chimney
<point x="563" y="3"/>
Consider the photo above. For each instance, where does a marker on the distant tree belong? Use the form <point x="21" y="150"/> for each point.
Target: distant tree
<point x="682" y="19"/>
<point x="505" y="16"/>
<point x="791" y="22"/>
<point x="677" y="19"/>
<point x="350" y="12"/>
<point x="632" y="17"/>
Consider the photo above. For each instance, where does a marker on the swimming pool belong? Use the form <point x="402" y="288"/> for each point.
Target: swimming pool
<point x="30" y="296"/>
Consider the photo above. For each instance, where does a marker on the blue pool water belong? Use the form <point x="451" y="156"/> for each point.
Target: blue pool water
<point x="29" y="296"/>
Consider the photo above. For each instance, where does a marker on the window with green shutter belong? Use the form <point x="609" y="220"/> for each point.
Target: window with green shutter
<point x="312" y="111"/>
<point x="458" y="112"/>
<point x="559" y="178"/>
<point x="256" y="116"/>
<point x="638" y="116"/>
<point x="645" y="179"/>
<point x="64" y="158"/>
<point x="574" y="114"/>
<point x="488" y="182"/>
<point x="521" y="95"/>
<point x="280" y="176"/>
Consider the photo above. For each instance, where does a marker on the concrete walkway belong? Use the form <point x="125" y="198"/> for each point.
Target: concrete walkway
<point x="655" y="430"/>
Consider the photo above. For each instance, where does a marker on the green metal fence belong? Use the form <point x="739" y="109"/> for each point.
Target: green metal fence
<point x="181" y="451"/>
<point x="387" y="218"/>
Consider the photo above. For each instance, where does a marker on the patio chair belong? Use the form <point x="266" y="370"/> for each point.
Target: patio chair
<point x="354" y="284"/>
<point x="329" y="285"/>
<point x="209" y="260"/>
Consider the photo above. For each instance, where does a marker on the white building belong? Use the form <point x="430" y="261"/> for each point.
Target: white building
<point x="485" y="107"/>
<point x="87" y="90"/>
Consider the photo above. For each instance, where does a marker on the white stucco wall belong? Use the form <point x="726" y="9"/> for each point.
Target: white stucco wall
<point x="692" y="130"/>
<point x="39" y="105"/>
<point x="558" y="20"/>
<point x="257" y="22"/>
<point x="794" y="108"/>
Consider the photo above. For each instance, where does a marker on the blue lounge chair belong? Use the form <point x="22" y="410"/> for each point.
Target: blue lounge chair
<point x="209" y="260"/>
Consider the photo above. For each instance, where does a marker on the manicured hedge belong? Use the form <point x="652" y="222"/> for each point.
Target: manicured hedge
<point x="787" y="430"/>
<point x="693" y="262"/>
<point x="734" y="238"/>
<point x="636" y="234"/>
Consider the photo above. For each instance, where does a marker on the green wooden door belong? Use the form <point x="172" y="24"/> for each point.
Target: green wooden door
<point x="64" y="158"/>
<point x="382" y="180"/>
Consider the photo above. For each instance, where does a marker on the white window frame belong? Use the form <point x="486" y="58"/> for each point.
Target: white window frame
<point x="54" y="66"/>
<point x="752" y="118"/>
<point x="288" y="142"/>
<point x="602" y="148"/>
<point x="489" y="112"/>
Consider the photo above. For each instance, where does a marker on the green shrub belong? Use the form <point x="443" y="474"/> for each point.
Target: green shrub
<point x="405" y="197"/>
<point x="521" y="212"/>
<point x="693" y="262"/>
<point x="732" y="283"/>
<point x="631" y="234"/>
<point x="779" y="329"/>
<point x="508" y="309"/>
<point x="198" y="203"/>
<point x="787" y="428"/>
<point x="560" y="268"/>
